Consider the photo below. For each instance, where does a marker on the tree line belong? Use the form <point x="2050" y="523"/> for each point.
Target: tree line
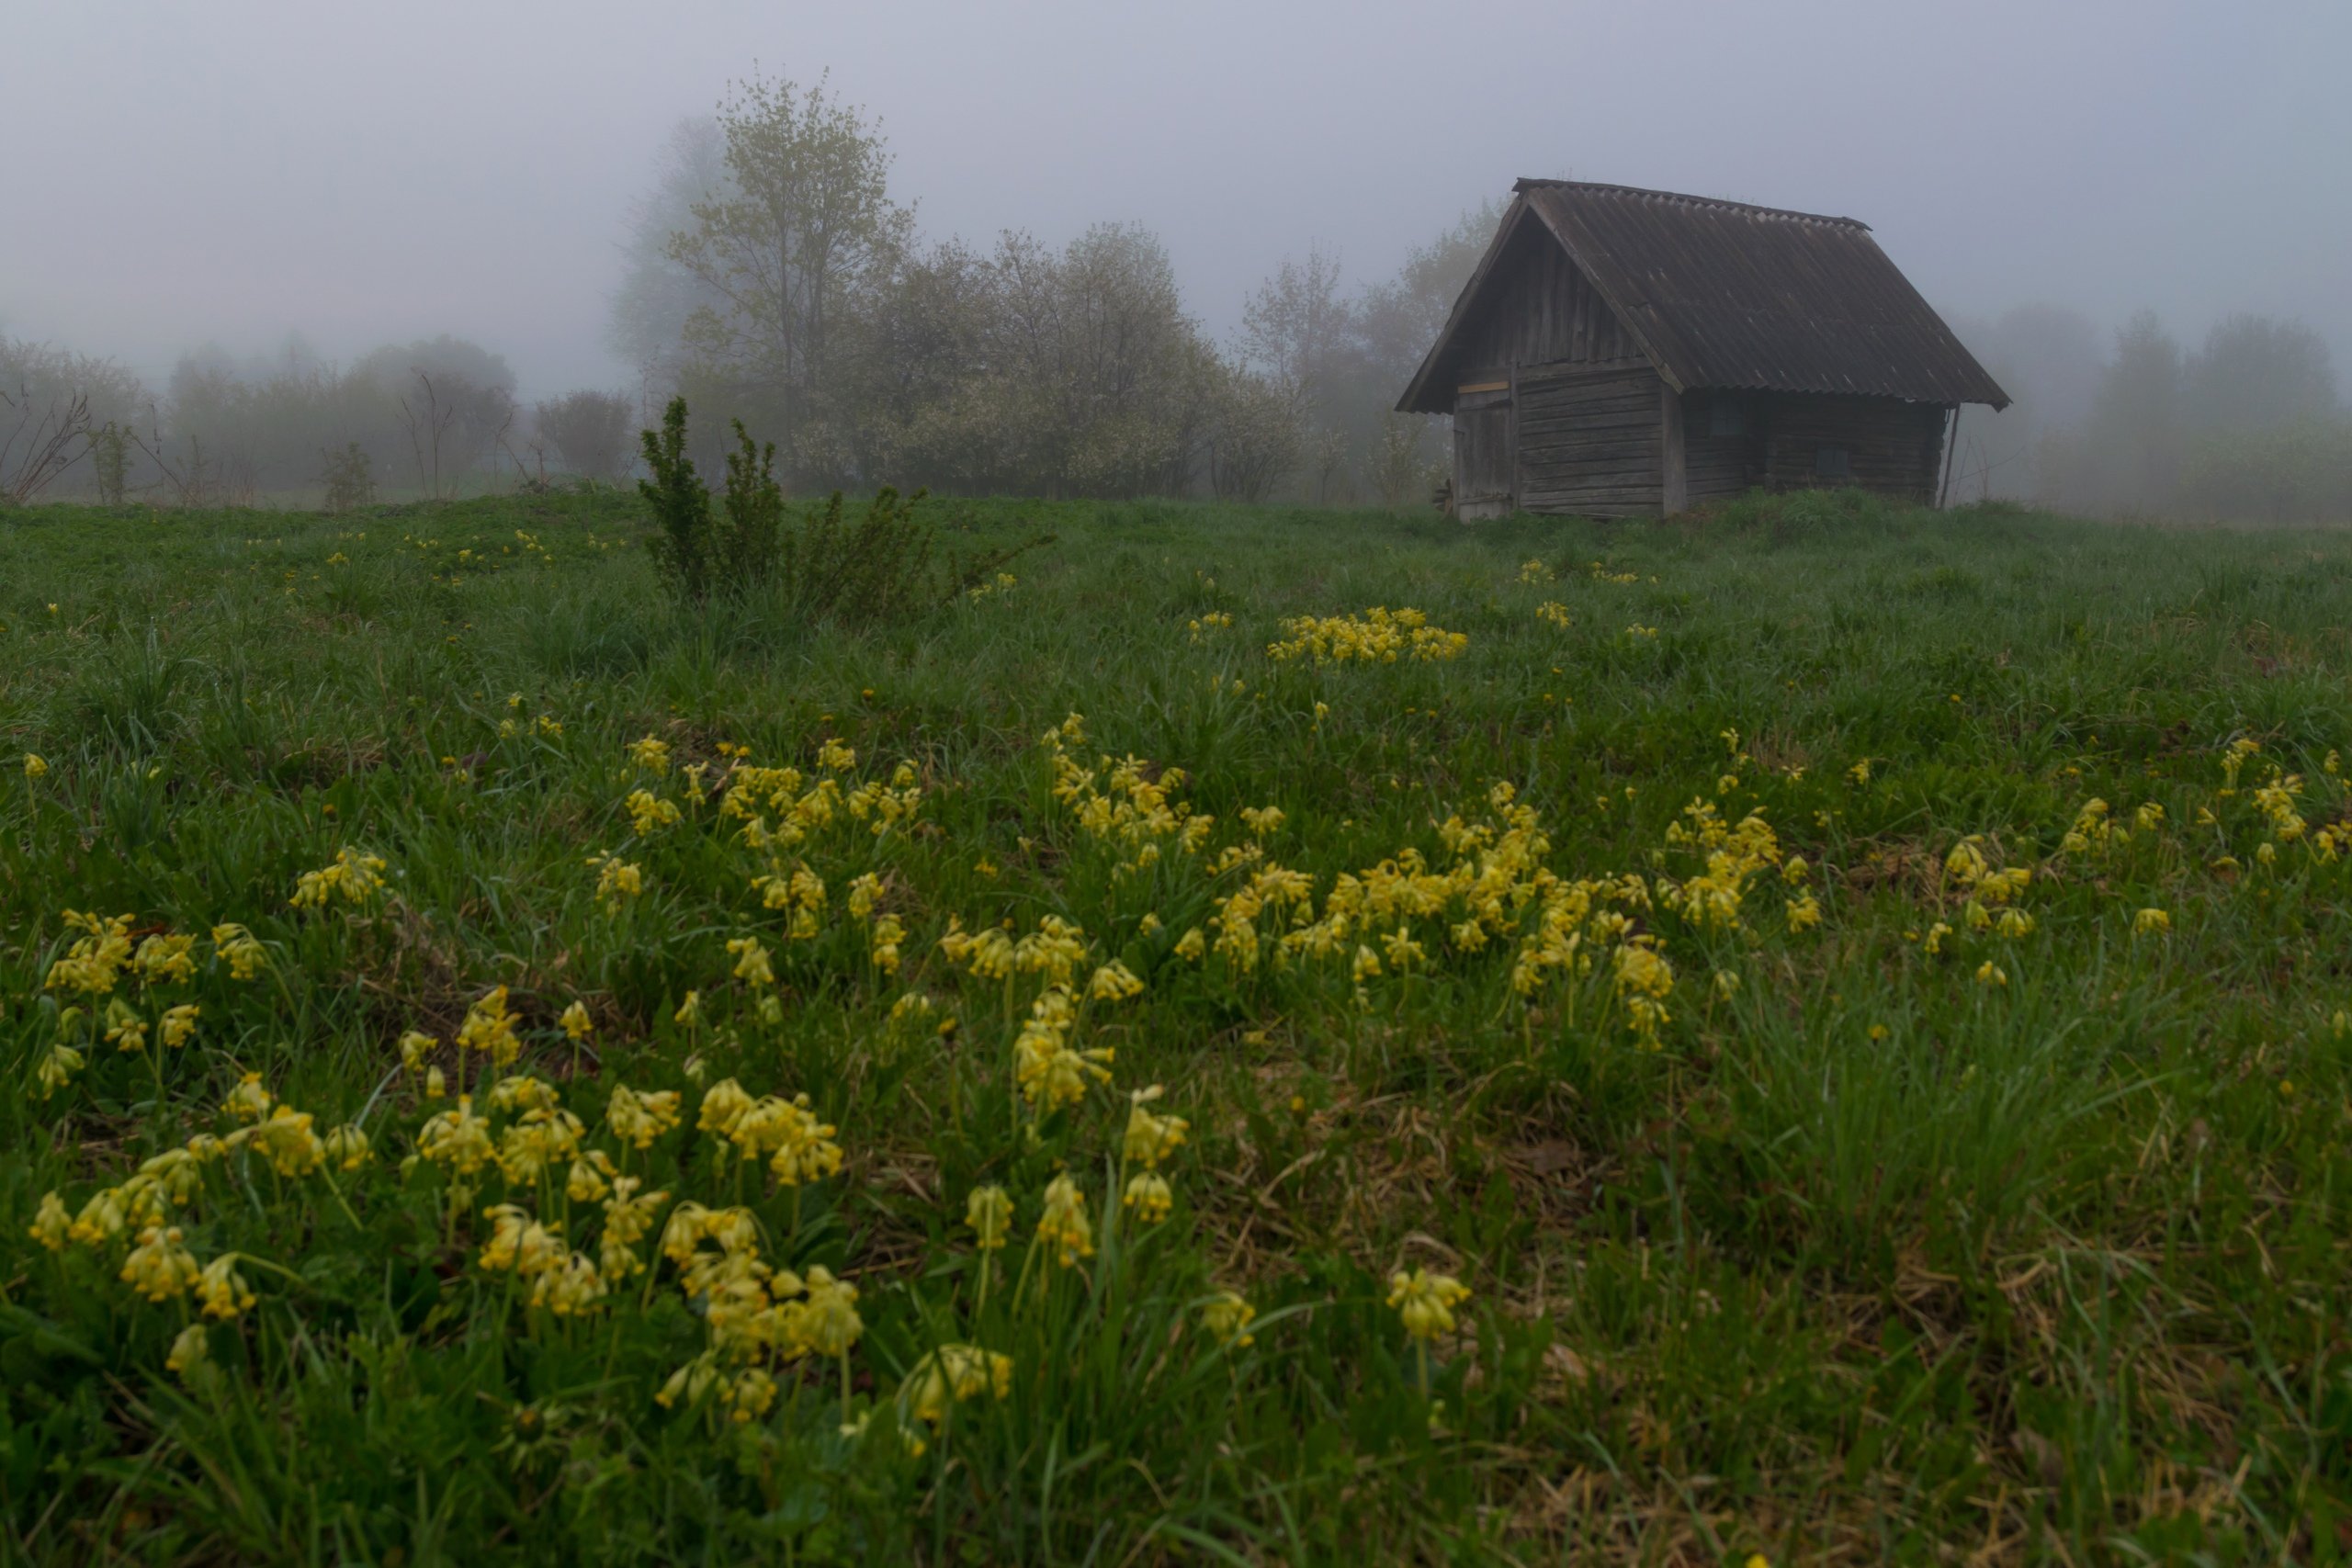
<point x="773" y="278"/>
<point x="2248" y="424"/>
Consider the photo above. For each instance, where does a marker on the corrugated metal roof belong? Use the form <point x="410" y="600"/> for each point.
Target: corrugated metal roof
<point x="1722" y="294"/>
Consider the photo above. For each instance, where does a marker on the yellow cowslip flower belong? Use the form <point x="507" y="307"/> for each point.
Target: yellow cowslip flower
<point x="248" y="1101"/>
<point x="724" y="1104"/>
<point x="889" y="931"/>
<point x="1114" y="982"/>
<point x="617" y="880"/>
<point x="436" y="1086"/>
<point x="285" y="1139"/>
<point x="1052" y="1074"/>
<point x="220" y="1290"/>
<point x="749" y="1395"/>
<point x="159" y="1268"/>
<point x="1860" y="771"/>
<point x="457" y="1138"/>
<point x="683" y="1233"/>
<point x="1149" y="925"/>
<point x="1935" y="934"/>
<point x="35" y="766"/>
<point x="585" y="1182"/>
<point x="808" y="1151"/>
<point x="58" y="1068"/>
<point x="828" y="1323"/>
<point x="1226" y="1316"/>
<point x="638" y="1119"/>
<point x="102" y="1218"/>
<point x="1149" y="1196"/>
<point x="576" y="1025"/>
<point x="1401" y="951"/>
<point x="1066" y="1228"/>
<point x="689" y="1011"/>
<point x="91" y="965"/>
<point x="2015" y="923"/>
<point x="347" y="1146"/>
<point x="989" y="1212"/>
<point x="191" y="1349"/>
<point x="1150" y="1138"/>
<point x="1191" y="945"/>
<point x="489" y="1029"/>
<point x="1426" y="1302"/>
<point x="521" y="1243"/>
<point x="178" y="1024"/>
<point x="1726" y="983"/>
<point x="647" y="811"/>
<point x="571" y="1288"/>
<point x="353" y="877"/>
<point x="651" y="754"/>
<point x="127" y="1029"/>
<point x="2150" y="816"/>
<point x="165" y="960"/>
<point x="416" y="1046"/>
<point x="52" y="1227"/>
<point x="628" y="1217"/>
<point x="2151" y="922"/>
<point x="177" y="1174"/>
<point x="1804" y="912"/>
<point x="948" y="1376"/>
<point x="752" y="961"/>
<point x="1263" y="820"/>
<point x="689" y="1382"/>
<point x="1991" y="974"/>
<point x="1367" y="965"/>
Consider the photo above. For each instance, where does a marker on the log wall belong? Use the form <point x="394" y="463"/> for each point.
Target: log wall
<point x="1590" y="439"/>
<point x="1895" y="448"/>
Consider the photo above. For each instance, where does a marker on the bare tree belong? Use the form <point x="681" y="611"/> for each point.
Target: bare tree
<point x="429" y="423"/>
<point x="40" y="438"/>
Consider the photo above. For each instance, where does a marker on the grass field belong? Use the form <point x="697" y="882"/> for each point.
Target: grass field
<point x="1856" y="997"/>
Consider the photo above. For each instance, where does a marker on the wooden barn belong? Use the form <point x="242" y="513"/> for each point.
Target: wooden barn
<point x="1625" y="353"/>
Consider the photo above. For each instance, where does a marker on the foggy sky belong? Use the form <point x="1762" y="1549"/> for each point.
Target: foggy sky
<point x="364" y="173"/>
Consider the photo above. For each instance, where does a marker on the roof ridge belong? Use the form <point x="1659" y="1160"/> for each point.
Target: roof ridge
<point x="1683" y="197"/>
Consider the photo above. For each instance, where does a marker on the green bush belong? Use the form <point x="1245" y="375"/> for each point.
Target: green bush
<point x="882" y="566"/>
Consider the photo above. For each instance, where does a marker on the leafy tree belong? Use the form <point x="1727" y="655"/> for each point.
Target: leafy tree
<point x="793" y="250"/>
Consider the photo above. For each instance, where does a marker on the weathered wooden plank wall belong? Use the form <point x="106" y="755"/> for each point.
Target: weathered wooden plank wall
<point x="1893" y="447"/>
<point x="1543" y="311"/>
<point x="1590" y="439"/>
<point x="1481" y="468"/>
<point x="1717" y="467"/>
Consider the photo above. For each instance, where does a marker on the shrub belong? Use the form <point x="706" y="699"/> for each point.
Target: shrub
<point x="880" y="566"/>
<point x="349" y="476"/>
<point x="681" y="506"/>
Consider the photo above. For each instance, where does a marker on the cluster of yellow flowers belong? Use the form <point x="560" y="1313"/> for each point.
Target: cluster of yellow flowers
<point x="1139" y="815"/>
<point x="1379" y="636"/>
<point x="353" y="877"/>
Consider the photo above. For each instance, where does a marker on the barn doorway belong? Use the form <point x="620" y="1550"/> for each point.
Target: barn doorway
<point x="1482" y="454"/>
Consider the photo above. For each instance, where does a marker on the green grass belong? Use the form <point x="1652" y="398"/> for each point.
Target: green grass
<point x="1869" y="1259"/>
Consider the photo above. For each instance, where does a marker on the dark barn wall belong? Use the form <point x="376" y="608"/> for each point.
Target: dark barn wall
<point x="1591" y="439"/>
<point x="1716" y="467"/>
<point x="1892" y="446"/>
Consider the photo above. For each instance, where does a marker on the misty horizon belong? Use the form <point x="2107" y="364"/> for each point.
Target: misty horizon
<point x="246" y="177"/>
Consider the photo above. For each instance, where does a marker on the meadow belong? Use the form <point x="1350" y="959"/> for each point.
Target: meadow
<point x="1818" y="1030"/>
